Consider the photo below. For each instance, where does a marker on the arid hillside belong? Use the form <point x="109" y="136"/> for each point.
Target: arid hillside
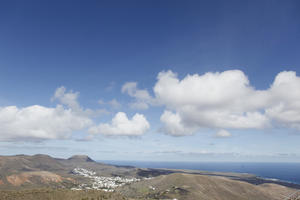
<point x="202" y="187"/>
<point x="80" y="178"/>
<point x="38" y="171"/>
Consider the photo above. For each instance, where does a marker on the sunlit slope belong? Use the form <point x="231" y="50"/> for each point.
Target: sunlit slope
<point x="202" y="187"/>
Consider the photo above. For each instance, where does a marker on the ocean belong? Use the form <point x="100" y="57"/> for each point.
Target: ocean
<point x="289" y="172"/>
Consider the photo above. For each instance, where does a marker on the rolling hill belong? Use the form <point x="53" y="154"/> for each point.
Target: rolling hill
<point x="37" y="176"/>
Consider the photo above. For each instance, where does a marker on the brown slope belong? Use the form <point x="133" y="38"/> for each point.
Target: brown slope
<point x="23" y="163"/>
<point x="202" y="187"/>
<point x="28" y="177"/>
<point x="31" y="171"/>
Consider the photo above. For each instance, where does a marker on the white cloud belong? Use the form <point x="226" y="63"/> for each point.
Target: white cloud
<point x="132" y="90"/>
<point x="142" y="97"/>
<point x="285" y="108"/>
<point x="211" y="90"/>
<point x="213" y="100"/>
<point x="223" y="134"/>
<point x="66" y="98"/>
<point x="226" y="100"/>
<point x="70" y="100"/>
<point x="173" y="124"/>
<point x="121" y="125"/>
<point x="39" y="123"/>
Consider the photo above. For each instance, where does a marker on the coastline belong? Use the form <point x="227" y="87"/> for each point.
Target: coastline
<point x="250" y="177"/>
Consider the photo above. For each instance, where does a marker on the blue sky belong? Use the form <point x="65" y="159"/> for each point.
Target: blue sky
<point x="82" y="77"/>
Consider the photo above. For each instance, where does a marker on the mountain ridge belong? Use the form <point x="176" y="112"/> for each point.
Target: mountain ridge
<point x="81" y="158"/>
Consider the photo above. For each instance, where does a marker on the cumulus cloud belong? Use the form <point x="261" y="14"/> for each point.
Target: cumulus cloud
<point x="142" y="97"/>
<point x="36" y="122"/>
<point x="121" y="125"/>
<point x="173" y="124"/>
<point x="39" y="122"/>
<point x="211" y="90"/>
<point x="226" y="100"/>
<point x="223" y="134"/>
<point x="285" y="107"/>
<point x="212" y="100"/>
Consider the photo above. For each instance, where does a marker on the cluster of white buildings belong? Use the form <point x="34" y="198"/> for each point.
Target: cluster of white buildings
<point x="100" y="182"/>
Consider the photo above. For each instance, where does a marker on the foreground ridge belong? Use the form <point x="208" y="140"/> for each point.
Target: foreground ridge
<point x="294" y="196"/>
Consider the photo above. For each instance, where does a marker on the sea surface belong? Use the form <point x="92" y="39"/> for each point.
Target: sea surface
<point x="289" y="172"/>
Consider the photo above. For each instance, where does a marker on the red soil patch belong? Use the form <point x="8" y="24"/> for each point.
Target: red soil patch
<point x="44" y="176"/>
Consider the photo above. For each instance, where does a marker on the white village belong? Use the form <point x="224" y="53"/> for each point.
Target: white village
<point x="107" y="184"/>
